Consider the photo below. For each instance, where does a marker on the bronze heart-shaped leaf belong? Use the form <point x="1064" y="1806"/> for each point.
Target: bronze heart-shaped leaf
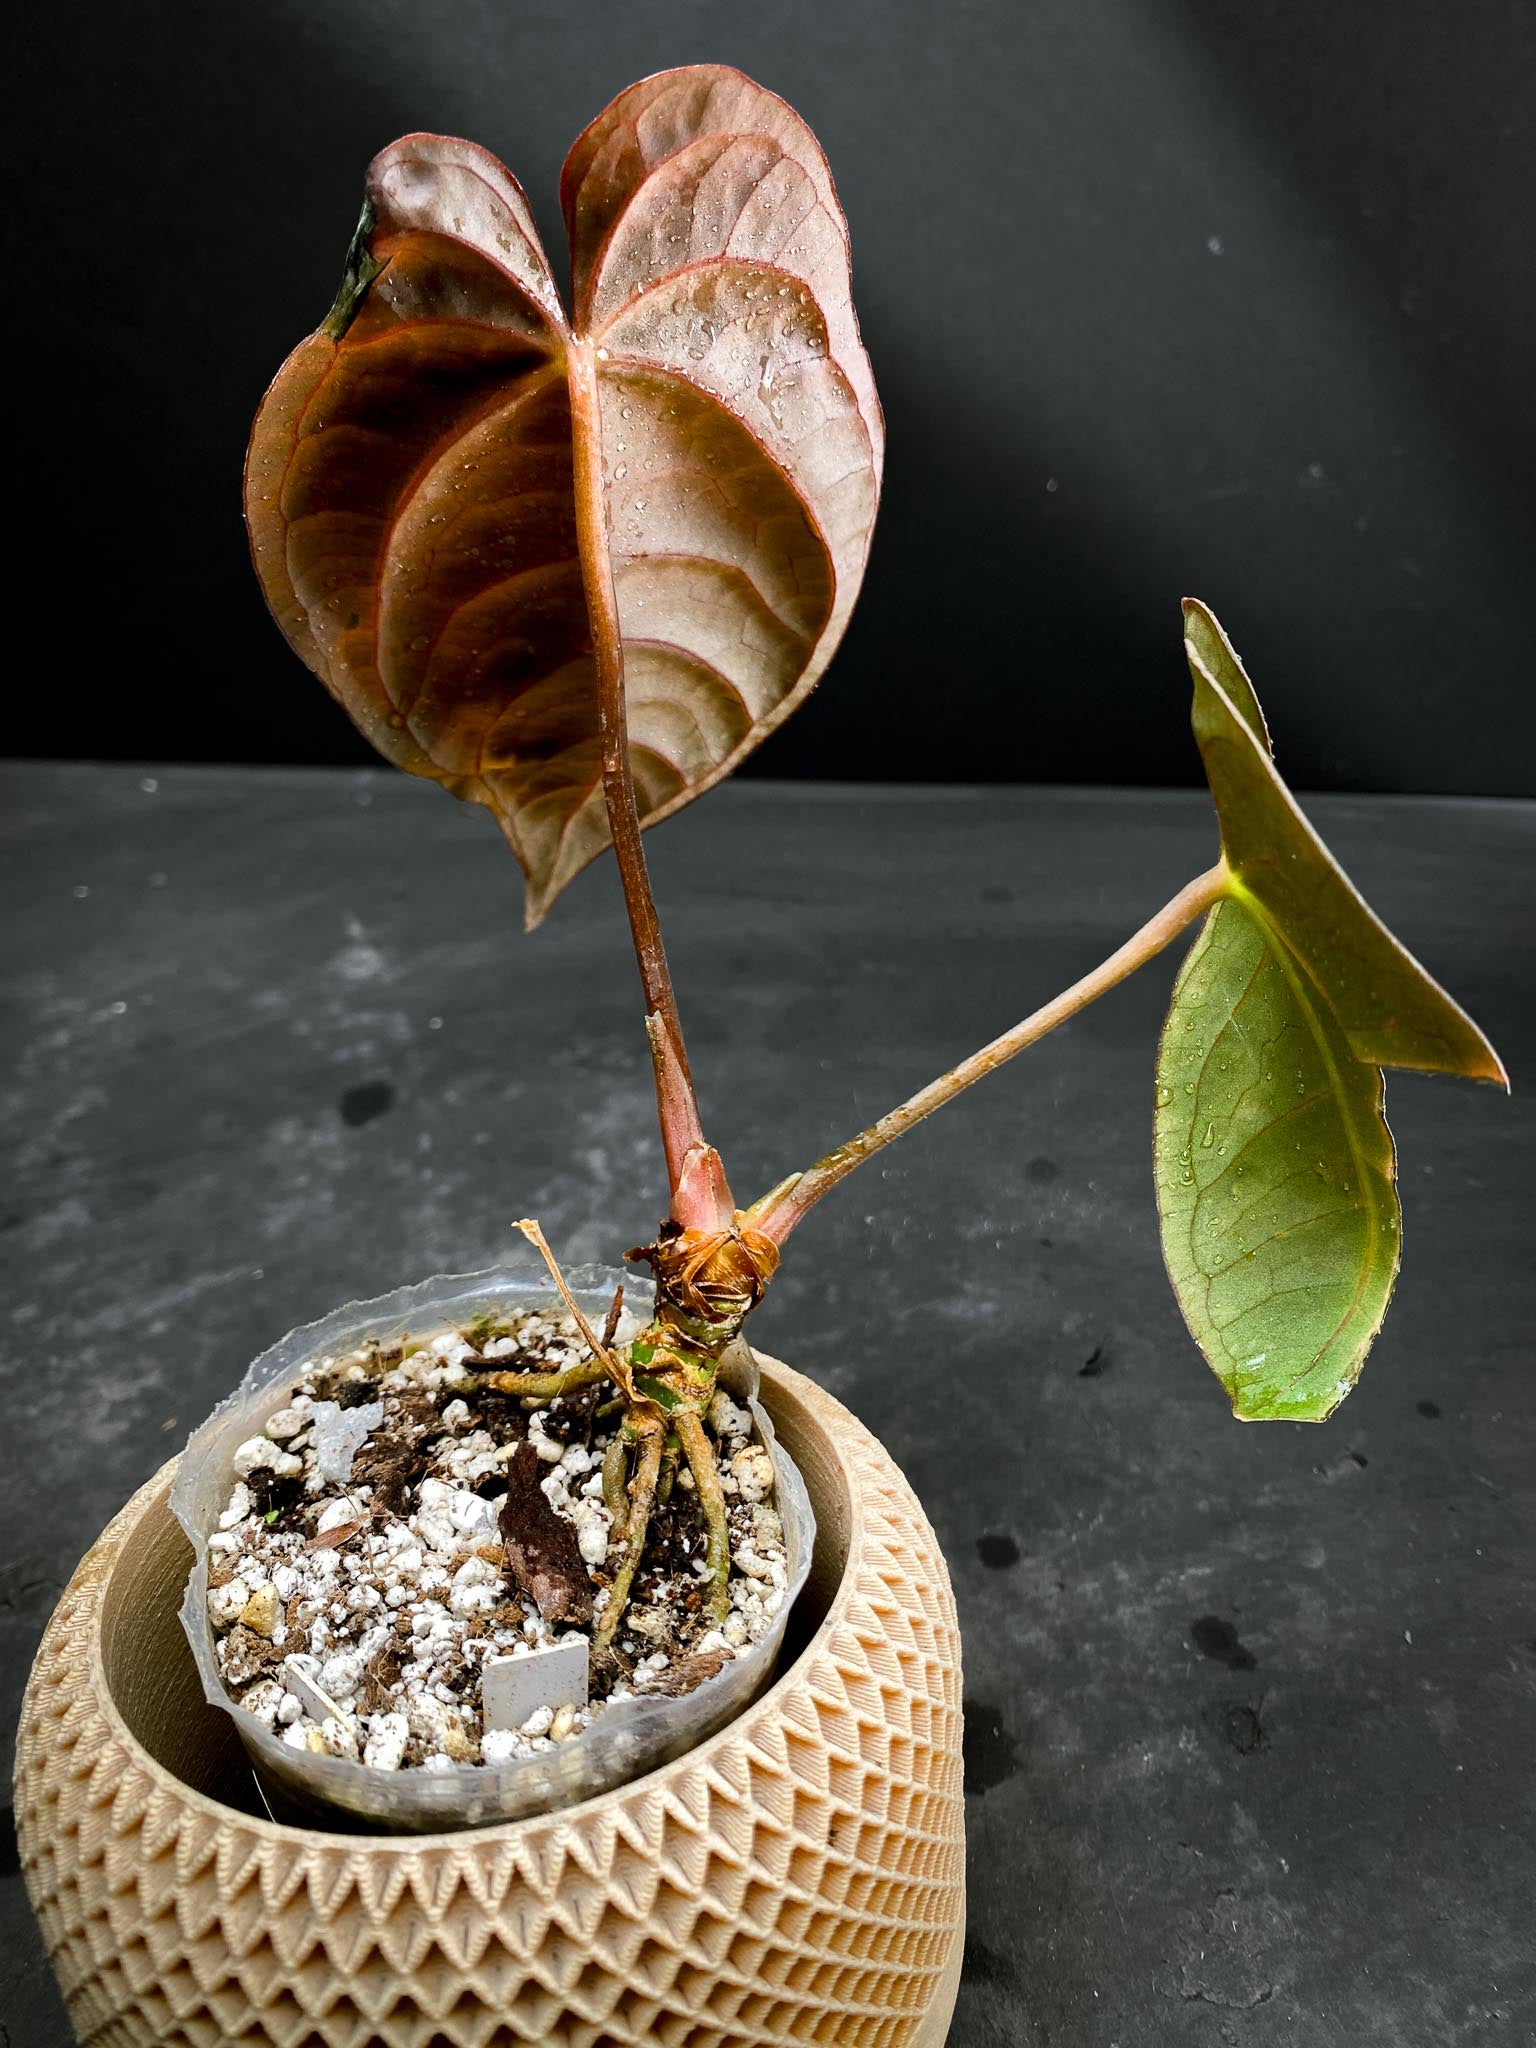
<point x="429" y="536"/>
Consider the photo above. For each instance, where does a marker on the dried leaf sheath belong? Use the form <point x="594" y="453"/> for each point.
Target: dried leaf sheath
<point x="410" y="486"/>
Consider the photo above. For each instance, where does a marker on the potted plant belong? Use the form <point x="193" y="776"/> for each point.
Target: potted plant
<point x="575" y="566"/>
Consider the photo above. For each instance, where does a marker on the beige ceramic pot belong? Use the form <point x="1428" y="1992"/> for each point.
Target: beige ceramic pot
<point x="799" y="1878"/>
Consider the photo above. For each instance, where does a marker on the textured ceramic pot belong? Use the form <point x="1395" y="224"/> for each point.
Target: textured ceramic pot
<point x="799" y="1878"/>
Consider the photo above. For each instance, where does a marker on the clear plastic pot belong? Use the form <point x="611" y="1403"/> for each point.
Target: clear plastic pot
<point x="628" y="1738"/>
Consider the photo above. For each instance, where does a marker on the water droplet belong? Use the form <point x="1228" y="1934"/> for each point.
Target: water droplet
<point x="1209" y="1139"/>
<point x="421" y="642"/>
<point x="1164" y="1097"/>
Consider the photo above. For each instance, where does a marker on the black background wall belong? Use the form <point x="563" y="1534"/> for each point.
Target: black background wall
<point x="1230" y="296"/>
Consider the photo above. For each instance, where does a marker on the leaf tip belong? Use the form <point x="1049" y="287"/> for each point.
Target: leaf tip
<point x="1202" y="630"/>
<point x="1216" y="667"/>
<point x="1304" y="1399"/>
<point x="1316" y="1411"/>
<point x="1493" y="1069"/>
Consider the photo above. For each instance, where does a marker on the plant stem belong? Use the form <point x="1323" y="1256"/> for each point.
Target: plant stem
<point x="681" y="1130"/>
<point x="782" y="1208"/>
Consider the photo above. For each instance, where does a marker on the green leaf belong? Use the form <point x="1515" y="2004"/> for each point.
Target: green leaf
<point x="1389" y="1008"/>
<point x="1275" y="1175"/>
<point x="1212" y="654"/>
<point x="1275" y="1167"/>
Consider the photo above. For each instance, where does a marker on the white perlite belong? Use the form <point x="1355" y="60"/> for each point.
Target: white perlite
<point x="339" y="1433"/>
<point x="358" y="1585"/>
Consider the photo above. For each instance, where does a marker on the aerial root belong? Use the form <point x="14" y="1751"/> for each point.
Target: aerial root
<point x="642" y="1499"/>
<point x="700" y="1453"/>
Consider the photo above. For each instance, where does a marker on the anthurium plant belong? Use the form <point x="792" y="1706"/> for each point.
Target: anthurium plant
<point x="574" y="561"/>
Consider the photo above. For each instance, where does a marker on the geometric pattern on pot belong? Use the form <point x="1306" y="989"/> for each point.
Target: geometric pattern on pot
<point x="797" y="1879"/>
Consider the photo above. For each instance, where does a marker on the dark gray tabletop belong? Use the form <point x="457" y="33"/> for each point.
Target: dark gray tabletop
<point x="1250" y="1723"/>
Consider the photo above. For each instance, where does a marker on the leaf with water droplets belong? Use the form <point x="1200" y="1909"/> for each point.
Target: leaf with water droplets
<point x="412" y="491"/>
<point x="1275" y="1168"/>
<point x="1275" y="1176"/>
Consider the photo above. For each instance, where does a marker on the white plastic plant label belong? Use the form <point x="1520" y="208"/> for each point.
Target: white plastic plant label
<point x="554" y="1675"/>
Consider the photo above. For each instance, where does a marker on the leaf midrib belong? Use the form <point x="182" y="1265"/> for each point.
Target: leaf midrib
<point x="1307" y="995"/>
